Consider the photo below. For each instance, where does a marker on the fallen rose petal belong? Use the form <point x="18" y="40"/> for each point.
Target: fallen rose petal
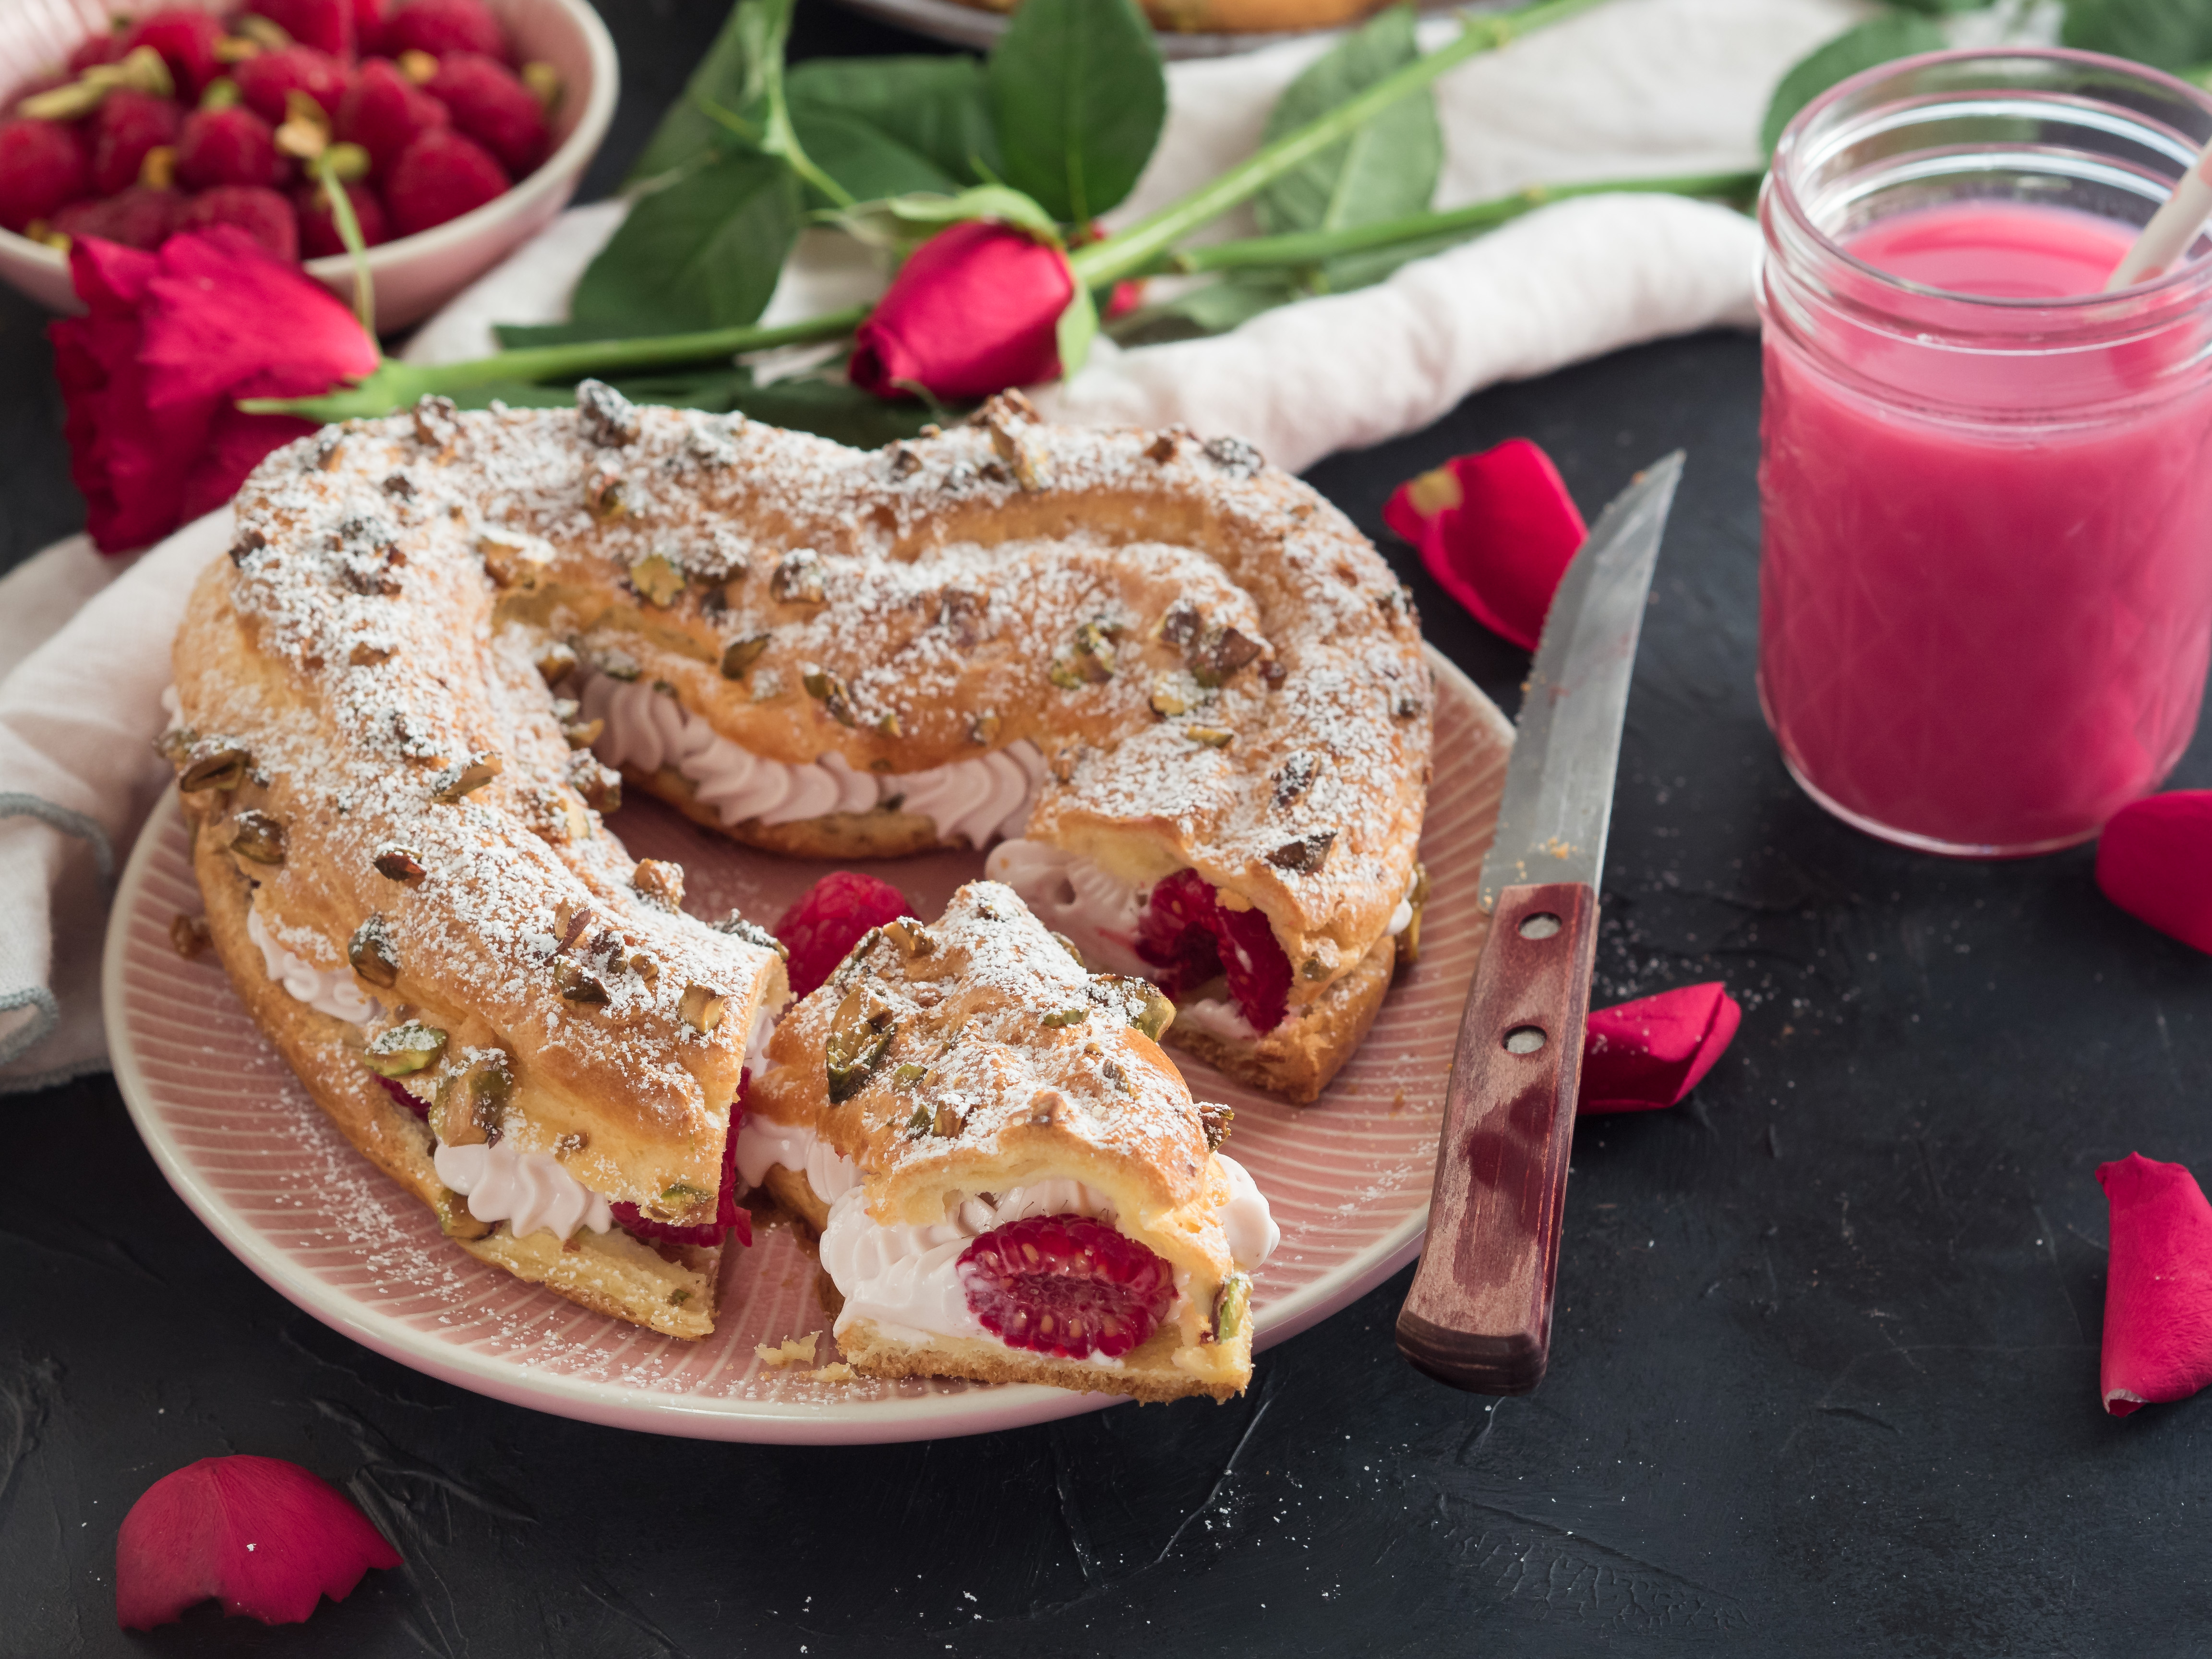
<point x="1497" y="530"/>
<point x="265" y="1536"/>
<point x="2155" y="861"/>
<point x="1639" y="1056"/>
<point x="2158" y="1285"/>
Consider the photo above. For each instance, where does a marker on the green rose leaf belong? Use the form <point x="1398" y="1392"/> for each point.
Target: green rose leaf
<point x="732" y="78"/>
<point x="703" y="253"/>
<point x="1899" y="34"/>
<point x="1078" y="97"/>
<point x="933" y="108"/>
<point x="1385" y="170"/>
<point x="2168" y="35"/>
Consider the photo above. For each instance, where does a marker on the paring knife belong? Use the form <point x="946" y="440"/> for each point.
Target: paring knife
<point x="1480" y="1314"/>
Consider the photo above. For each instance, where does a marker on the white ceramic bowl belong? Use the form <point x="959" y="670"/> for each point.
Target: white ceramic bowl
<point x="414" y="274"/>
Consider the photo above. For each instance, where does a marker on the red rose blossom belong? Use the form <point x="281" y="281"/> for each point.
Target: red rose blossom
<point x="2158" y="1285"/>
<point x="974" y="310"/>
<point x="265" y="1536"/>
<point x="151" y="377"/>
<point x="1497" y="530"/>
<point x="1640" y="1056"/>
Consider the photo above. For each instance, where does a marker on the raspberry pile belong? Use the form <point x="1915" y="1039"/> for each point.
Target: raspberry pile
<point x="829" y="919"/>
<point x="1066" y="1285"/>
<point x="1191" y="937"/>
<point x="182" y="120"/>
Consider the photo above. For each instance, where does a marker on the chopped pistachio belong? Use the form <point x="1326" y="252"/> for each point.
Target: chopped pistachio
<point x="543" y="81"/>
<point x="798" y="578"/>
<point x="1220" y="652"/>
<point x="644" y="966"/>
<point x="830" y="691"/>
<point x="222" y="767"/>
<point x="466" y="1111"/>
<point x="556" y="662"/>
<point x="174" y="744"/>
<point x="661" y="880"/>
<point x="909" y="1074"/>
<point x="983" y="728"/>
<point x="257" y="836"/>
<point x="618" y="665"/>
<point x="1213" y="737"/>
<point x="888" y="725"/>
<point x="454" y="1219"/>
<point x="513" y="561"/>
<point x="947" y="1122"/>
<point x="582" y="734"/>
<point x="1068" y="946"/>
<point x="752" y="933"/>
<point x="367" y="654"/>
<point x="1232" y="1307"/>
<point x="741" y="655"/>
<point x="919" y="1124"/>
<point x="1157" y="1014"/>
<point x="701" y="1007"/>
<point x="580" y="986"/>
<point x="467" y="777"/>
<point x="1305" y="854"/>
<point x="659" y="579"/>
<point x="1213" y="1121"/>
<point x="399" y="863"/>
<point x="609" y="419"/>
<point x="860" y="1032"/>
<point x="912" y="938"/>
<point x="599" y="785"/>
<point x="404" y="1049"/>
<point x="189" y="935"/>
<point x="605" y="496"/>
<point x="372" y="954"/>
<point x="1059" y="1018"/>
<point x="1174" y="694"/>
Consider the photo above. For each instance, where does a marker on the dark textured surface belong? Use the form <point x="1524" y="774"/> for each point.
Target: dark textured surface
<point x="1824" y="1379"/>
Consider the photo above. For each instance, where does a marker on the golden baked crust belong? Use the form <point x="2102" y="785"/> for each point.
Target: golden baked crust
<point x="993" y="1062"/>
<point x="673" y="1289"/>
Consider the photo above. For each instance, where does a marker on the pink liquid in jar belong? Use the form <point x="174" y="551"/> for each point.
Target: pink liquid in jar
<point x="1984" y="613"/>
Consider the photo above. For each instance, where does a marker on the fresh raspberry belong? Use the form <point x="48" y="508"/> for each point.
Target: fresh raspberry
<point x="325" y="24"/>
<point x="438" y="26"/>
<point x="1066" y="1285"/>
<point x="319" y="231"/>
<point x="43" y="169"/>
<point x="384" y="112"/>
<point x="129" y="122"/>
<point x="441" y="176"/>
<point x="92" y="51"/>
<point x="231" y="146"/>
<point x="822" y="928"/>
<point x="367" y="26"/>
<point x="185" y="38"/>
<point x="729" y="1218"/>
<point x="258" y="211"/>
<point x="414" y="1103"/>
<point x="265" y="80"/>
<point x="140" y="217"/>
<point x="1190" y="936"/>
<point x="491" y="106"/>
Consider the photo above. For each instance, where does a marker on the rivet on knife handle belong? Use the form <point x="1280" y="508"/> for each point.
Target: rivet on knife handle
<point x="1480" y="1314"/>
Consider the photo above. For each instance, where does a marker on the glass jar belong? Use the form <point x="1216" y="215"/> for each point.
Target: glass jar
<point x="1985" y="567"/>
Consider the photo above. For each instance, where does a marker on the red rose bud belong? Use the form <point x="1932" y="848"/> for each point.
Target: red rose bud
<point x="1640" y="1056"/>
<point x="2158" y="1285"/>
<point x="974" y="309"/>
<point x="266" y="1537"/>
<point x="43" y="169"/>
<point x="2155" y="861"/>
<point x="150" y="376"/>
<point x="1497" y="531"/>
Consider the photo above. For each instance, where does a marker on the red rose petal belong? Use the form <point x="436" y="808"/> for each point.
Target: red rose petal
<point x="2155" y="861"/>
<point x="1640" y="1056"/>
<point x="2158" y="1285"/>
<point x="265" y="1536"/>
<point x="974" y="310"/>
<point x="1497" y="530"/>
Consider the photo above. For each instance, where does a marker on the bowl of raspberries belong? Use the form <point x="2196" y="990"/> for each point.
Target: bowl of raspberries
<point x="456" y="129"/>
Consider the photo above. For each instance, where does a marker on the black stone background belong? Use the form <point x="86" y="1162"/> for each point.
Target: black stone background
<point x="1825" y="1373"/>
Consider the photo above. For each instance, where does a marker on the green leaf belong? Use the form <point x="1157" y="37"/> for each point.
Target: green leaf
<point x="1078" y="95"/>
<point x="1385" y="170"/>
<point x="868" y="162"/>
<point x="1214" y="309"/>
<point x="1076" y="328"/>
<point x="836" y="410"/>
<point x="729" y="77"/>
<point x="900" y="222"/>
<point x="1900" y="34"/>
<point x="934" y="108"/>
<point x="2168" y="35"/>
<point x="703" y="253"/>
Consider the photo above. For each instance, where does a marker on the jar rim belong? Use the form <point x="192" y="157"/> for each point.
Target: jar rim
<point x="2180" y="283"/>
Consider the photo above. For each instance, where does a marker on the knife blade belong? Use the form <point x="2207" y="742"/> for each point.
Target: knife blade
<point x="1479" y="1315"/>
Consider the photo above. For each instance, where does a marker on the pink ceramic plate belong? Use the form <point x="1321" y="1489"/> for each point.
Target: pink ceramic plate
<point x="237" y="1138"/>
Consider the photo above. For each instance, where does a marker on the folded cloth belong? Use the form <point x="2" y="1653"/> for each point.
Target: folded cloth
<point x="1638" y="88"/>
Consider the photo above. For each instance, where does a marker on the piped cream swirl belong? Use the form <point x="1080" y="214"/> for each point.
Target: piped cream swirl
<point x="333" y="991"/>
<point x="979" y="800"/>
<point x="528" y="1191"/>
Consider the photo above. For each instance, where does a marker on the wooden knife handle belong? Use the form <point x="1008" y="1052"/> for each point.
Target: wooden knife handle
<point x="1480" y="1314"/>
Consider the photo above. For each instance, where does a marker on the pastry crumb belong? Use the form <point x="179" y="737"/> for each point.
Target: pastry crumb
<point x="792" y="1351"/>
<point x="840" y="1372"/>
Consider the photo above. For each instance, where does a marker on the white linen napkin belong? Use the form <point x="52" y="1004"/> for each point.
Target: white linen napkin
<point x="1636" y="87"/>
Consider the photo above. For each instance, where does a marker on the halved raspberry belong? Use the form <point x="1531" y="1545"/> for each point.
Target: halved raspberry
<point x="232" y="146"/>
<point x="93" y="51"/>
<point x="43" y="169"/>
<point x="140" y="217"/>
<point x="319" y="232"/>
<point x="264" y="81"/>
<point x="730" y="1216"/>
<point x="1066" y="1285"/>
<point x="129" y="122"/>
<point x="186" y="37"/>
<point x="325" y="24"/>
<point x="414" y="1103"/>
<point x="384" y="112"/>
<point x="490" y="105"/>
<point x="258" y="211"/>
<point x="441" y="176"/>
<point x="822" y="928"/>
<point x="438" y="26"/>
<point x="1190" y="935"/>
